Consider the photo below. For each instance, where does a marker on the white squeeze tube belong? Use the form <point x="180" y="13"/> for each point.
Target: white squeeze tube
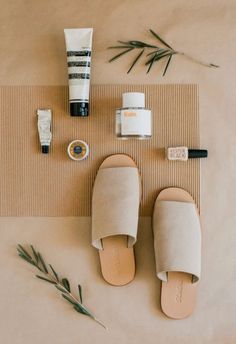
<point x="44" y="128"/>
<point x="79" y="47"/>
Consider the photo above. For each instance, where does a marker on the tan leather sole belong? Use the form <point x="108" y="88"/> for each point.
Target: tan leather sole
<point x="178" y="294"/>
<point x="117" y="259"/>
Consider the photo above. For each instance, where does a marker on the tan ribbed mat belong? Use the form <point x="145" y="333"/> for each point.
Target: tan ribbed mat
<point x="36" y="184"/>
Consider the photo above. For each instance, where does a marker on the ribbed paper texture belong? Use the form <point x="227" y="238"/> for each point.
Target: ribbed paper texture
<point x="36" y="184"/>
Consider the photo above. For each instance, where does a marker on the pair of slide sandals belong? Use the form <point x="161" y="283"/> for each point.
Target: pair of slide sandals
<point x="176" y="229"/>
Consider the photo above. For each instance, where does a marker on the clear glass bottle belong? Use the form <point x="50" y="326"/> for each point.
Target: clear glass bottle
<point x="133" y="120"/>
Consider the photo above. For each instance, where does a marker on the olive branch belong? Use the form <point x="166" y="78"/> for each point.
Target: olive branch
<point x="158" y="53"/>
<point x="48" y="274"/>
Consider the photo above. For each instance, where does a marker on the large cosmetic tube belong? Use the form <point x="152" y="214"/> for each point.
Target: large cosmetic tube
<point x="78" y="47"/>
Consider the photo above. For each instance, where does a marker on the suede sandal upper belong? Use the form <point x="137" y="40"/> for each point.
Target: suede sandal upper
<point x="115" y="204"/>
<point x="177" y="239"/>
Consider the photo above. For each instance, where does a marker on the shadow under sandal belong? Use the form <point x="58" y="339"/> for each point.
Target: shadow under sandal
<point x="115" y="208"/>
<point x="177" y="245"/>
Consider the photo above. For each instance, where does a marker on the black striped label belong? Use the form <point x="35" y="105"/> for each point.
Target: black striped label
<point x="79" y="53"/>
<point x="79" y="76"/>
<point x="78" y="64"/>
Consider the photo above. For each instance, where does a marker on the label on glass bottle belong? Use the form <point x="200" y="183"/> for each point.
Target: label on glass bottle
<point x="133" y="122"/>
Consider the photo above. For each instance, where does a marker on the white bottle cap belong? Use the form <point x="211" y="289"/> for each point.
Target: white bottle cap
<point x="133" y="100"/>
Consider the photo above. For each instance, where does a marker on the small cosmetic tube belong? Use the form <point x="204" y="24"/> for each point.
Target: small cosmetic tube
<point x="44" y="128"/>
<point x="183" y="153"/>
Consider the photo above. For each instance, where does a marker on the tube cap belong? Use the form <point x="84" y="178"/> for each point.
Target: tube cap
<point x="79" y="109"/>
<point x="133" y="100"/>
<point x="197" y="153"/>
<point x="45" y="149"/>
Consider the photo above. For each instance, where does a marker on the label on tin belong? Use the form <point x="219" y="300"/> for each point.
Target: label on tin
<point x="78" y="150"/>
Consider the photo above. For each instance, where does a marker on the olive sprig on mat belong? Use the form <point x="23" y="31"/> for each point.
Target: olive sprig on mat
<point x="48" y="274"/>
<point x="154" y="56"/>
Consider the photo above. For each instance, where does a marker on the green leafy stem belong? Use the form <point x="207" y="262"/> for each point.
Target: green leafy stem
<point x="48" y="274"/>
<point x="155" y="55"/>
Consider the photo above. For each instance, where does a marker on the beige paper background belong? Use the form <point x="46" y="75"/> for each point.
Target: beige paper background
<point x="32" y="53"/>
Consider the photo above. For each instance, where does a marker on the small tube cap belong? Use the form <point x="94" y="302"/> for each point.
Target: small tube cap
<point x="197" y="153"/>
<point x="79" y="109"/>
<point x="45" y="149"/>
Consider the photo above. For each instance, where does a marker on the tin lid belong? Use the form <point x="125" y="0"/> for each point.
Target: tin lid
<point x="78" y="150"/>
<point x="133" y="100"/>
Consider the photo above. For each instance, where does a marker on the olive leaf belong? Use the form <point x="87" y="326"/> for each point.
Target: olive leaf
<point x="34" y="253"/>
<point x="160" y="39"/>
<point x="45" y="279"/>
<point x="136" y="60"/>
<point x="119" y="55"/>
<point x="66" y="284"/>
<point x="54" y="272"/>
<point x="167" y="64"/>
<point x="69" y="299"/>
<point x="80" y="293"/>
<point x="41" y="261"/>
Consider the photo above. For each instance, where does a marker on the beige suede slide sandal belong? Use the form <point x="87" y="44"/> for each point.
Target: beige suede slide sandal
<point x="177" y="245"/>
<point x="115" y="209"/>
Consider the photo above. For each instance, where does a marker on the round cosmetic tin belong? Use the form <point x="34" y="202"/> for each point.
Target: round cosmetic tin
<point x="78" y="150"/>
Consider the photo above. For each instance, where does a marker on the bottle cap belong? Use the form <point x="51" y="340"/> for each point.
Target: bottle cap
<point x="45" y="149"/>
<point x="133" y="100"/>
<point x="197" y="153"/>
<point x="79" y="109"/>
